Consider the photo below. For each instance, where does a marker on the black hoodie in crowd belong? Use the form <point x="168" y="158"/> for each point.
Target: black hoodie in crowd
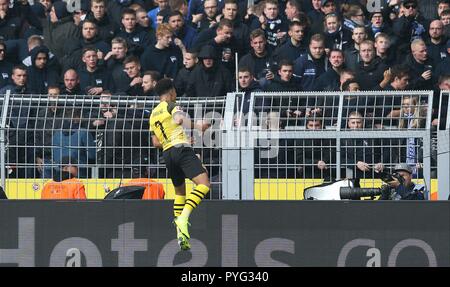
<point x="39" y="79"/>
<point x="209" y="82"/>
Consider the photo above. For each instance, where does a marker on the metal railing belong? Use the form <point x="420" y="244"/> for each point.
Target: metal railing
<point x="259" y="146"/>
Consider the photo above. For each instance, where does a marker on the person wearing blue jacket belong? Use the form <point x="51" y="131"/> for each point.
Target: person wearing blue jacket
<point x="308" y="67"/>
<point x="75" y="141"/>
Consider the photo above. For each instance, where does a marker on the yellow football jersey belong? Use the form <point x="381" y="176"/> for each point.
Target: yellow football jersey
<point x="164" y="127"/>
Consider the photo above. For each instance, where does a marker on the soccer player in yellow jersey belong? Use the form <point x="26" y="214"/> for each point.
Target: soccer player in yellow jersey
<point x="167" y="132"/>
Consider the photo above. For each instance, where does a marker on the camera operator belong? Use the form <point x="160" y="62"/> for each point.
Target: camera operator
<point x="400" y="186"/>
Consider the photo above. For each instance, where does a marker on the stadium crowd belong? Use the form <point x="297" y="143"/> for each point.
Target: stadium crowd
<point x="123" y="47"/>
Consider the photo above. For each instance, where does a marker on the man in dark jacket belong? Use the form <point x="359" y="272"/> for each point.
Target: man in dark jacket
<point x="5" y="66"/>
<point x="209" y="78"/>
<point x="190" y="60"/>
<point x="259" y="60"/>
<point x="295" y="45"/>
<point x="370" y="71"/>
<point x="308" y="67"/>
<point x="421" y="67"/>
<point x="89" y="37"/>
<point x="106" y="28"/>
<point x="10" y="24"/>
<point x="94" y="79"/>
<point x="164" y="56"/>
<point x="224" y="42"/>
<point x="437" y="43"/>
<point x="19" y="152"/>
<point x="40" y="76"/>
<point x="185" y="33"/>
<point x="137" y="37"/>
<point x="71" y="83"/>
<point x="330" y="80"/>
<point x="59" y="29"/>
<point x="409" y="25"/>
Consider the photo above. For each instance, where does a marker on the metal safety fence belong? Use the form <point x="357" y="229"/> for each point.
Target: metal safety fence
<point x="443" y="146"/>
<point x="259" y="145"/>
<point x="290" y="141"/>
<point x="107" y="137"/>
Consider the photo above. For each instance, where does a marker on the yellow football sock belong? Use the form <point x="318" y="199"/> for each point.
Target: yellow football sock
<point x="194" y="199"/>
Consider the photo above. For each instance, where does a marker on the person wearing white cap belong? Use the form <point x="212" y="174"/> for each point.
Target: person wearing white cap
<point x="402" y="187"/>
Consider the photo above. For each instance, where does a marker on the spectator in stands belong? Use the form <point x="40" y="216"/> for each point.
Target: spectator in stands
<point x="98" y="14"/>
<point x="358" y="155"/>
<point x="406" y="191"/>
<point x="162" y="5"/>
<point x="18" y="81"/>
<point x="442" y="5"/>
<point x="443" y="68"/>
<point x="314" y="155"/>
<point x="412" y="116"/>
<point x="295" y="45"/>
<point x="293" y="10"/>
<point x="379" y="25"/>
<point x="93" y="78"/>
<point x="329" y="81"/>
<point x="445" y="18"/>
<point x="224" y="42"/>
<point x="209" y="78"/>
<point x="40" y="76"/>
<point x="185" y="33"/>
<point x="65" y="184"/>
<point x="149" y="80"/>
<point x="336" y="37"/>
<point x="421" y="67"/>
<point x="273" y="24"/>
<point x="437" y="43"/>
<point x="136" y="36"/>
<point x="75" y="141"/>
<point x="20" y="156"/>
<point x="383" y="49"/>
<point x="370" y="71"/>
<point x="320" y="9"/>
<point x="284" y="81"/>
<point x="163" y="57"/>
<point x="207" y="17"/>
<point x="259" y="60"/>
<point x="142" y="19"/>
<point x="114" y="63"/>
<point x="345" y="75"/>
<point x="352" y="56"/>
<point x="37" y="40"/>
<point x="59" y="29"/>
<point x="180" y="6"/>
<point x="354" y="17"/>
<point x="132" y="68"/>
<point x="89" y="38"/>
<point x="241" y="32"/>
<point x="247" y="85"/>
<point x="190" y="60"/>
<point x="153" y="189"/>
<point x="10" y="24"/>
<point x="71" y="83"/>
<point x="48" y="120"/>
<point x="409" y="26"/>
<point x="308" y="67"/>
<point x="5" y="67"/>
